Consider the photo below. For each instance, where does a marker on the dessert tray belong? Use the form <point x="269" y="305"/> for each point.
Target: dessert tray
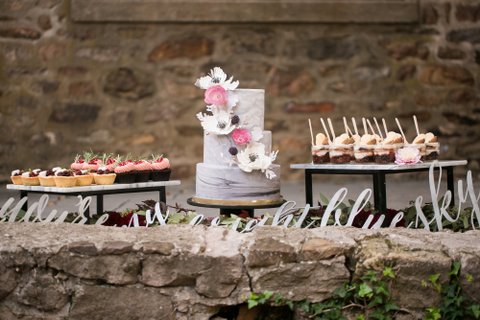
<point x="376" y="166"/>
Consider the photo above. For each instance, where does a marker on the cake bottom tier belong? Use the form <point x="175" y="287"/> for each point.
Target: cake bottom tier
<point x="229" y="185"/>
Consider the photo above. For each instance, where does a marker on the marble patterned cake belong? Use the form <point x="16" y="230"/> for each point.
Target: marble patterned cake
<point x="237" y="166"/>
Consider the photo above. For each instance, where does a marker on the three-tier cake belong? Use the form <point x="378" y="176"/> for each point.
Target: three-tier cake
<point x="237" y="166"/>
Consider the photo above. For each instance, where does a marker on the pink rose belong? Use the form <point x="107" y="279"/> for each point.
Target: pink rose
<point x="408" y="155"/>
<point x="216" y="96"/>
<point x="241" y="136"/>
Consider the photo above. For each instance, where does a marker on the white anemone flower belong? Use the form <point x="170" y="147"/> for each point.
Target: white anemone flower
<point x="253" y="157"/>
<point x="218" y="123"/>
<point x="216" y="77"/>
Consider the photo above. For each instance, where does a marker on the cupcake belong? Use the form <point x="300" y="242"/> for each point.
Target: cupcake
<point x="385" y="150"/>
<point x="110" y="163"/>
<point x="341" y="149"/>
<point x="30" y="178"/>
<point x="125" y="172"/>
<point x="161" y="169"/>
<point x="84" y="178"/>
<point x="16" y="176"/>
<point x="92" y="164"/>
<point x="143" y="170"/>
<point x="363" y="150"/>
<point x="104" y="176"/>
<point x="78" y="163"/>
<point x="65" y="178"/>
<point x="47" y="178"/>
<point x="320" y="149"/>
<point x="432" y="147"/>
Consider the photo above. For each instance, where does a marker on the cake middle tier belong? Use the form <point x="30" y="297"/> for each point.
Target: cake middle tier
<point x="222" y="182"/>
<point x="215" y="148"/>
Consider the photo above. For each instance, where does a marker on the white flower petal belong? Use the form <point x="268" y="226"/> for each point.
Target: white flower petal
<point x="218" y="74"/>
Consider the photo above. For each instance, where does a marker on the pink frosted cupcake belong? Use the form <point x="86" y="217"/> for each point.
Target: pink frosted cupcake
<point x="143" y="170"/>
<point x="125" y="172"/>
<point x="110" y="163"/>
<point x="161" y="169"/>
<point x="92" y="165"/>
<point x="78" y="163"/>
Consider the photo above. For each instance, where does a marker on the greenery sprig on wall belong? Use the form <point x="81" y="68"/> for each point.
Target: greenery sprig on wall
<point x="370" y="298"/>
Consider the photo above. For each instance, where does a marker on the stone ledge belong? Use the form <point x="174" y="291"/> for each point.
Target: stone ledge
<point x="239" y="11"/>
<point x="187" y="268"/>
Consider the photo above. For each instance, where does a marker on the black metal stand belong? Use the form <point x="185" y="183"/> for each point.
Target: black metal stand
<point x="99" y="195"/>
<point x="379" y="182"/>
<point x="235" y="209"/>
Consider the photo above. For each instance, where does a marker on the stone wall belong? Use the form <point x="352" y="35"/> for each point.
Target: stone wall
<point x="127" y="86"/>
<point x="183" y="272"/>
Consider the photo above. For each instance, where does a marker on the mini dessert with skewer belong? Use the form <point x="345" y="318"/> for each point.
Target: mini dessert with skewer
<point x="432" y="145"/>
<point x="320" y="146"/>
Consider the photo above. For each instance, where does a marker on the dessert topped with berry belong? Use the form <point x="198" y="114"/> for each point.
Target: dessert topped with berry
<point x="125" y="172"/>
<point x="46" y="173"/>
<point x="110" y="162"/>
<point x="124" y="166"/>
<point x="64" y="173"/>
<point x="17" y="172"/>
<point x="31" y="173"/>
<point x="81" y="172"/>
<point x="104" y="170"/>
<point x="160" y="163"/>
<point x="142" y="165"/>
<point x="78" y="163"/>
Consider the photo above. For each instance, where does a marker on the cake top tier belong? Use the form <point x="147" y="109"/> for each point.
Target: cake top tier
<point x="235" y="117"/>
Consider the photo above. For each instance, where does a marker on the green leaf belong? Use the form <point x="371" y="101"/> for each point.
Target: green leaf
<point x="389" y="273"/>
<point x="475" y="309"/>
<point x="365" y="291"/>
<point x="252" y="303"/>
<point x="324" y="199"/>
<point x="455" y="269"/>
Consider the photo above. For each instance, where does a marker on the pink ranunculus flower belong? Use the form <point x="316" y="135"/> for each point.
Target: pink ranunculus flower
<point x="241" y="136"/>
<point x="407" y="155"/>
<point x="216" y="96"/>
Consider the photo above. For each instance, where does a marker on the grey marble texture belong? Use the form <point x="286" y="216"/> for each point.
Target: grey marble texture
<point x="115" y="186"/>
<point x="375" y="166"/>
<point x="215" y="146"/>
<point x="231" y="183"/>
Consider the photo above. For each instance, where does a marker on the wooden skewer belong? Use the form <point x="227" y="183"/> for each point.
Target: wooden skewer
<point x="311" y="131"/>
<point x="416" y="124"/>
<point x="373" y="130"/>
<point x="378" y="127"/>
<point x="355" y="126"/>
<point x="385" y="126"/>
<point x="347" y="128"/>
<point x="401" y="130"/>
<point x="331" y="128"/>
<point x="325" y="129"/>
<point x="365" y="131"/>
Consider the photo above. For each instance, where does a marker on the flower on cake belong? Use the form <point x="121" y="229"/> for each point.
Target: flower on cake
<point x="218" y="123"/>
<point x="216" y="77"/>
<point x="407" y="155"/>
<point x="216" y="95"/>
<point x="241" y="136"/>
<point x="253" y="157"/>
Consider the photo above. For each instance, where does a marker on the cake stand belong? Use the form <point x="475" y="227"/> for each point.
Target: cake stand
<point x="236" y="209"/>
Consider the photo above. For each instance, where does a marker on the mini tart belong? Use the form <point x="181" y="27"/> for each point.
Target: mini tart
<point x="30" y="181"/>
<point x="48" y="181"/>
<point x="84" y="180"/>
<point x="65" y="182"/>
<point x="17" y="180"/>
<point x="107" y="178"/>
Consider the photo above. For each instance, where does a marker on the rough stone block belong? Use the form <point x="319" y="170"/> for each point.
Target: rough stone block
<point x="114" y="269"/>
<point x="122" y="303"/>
